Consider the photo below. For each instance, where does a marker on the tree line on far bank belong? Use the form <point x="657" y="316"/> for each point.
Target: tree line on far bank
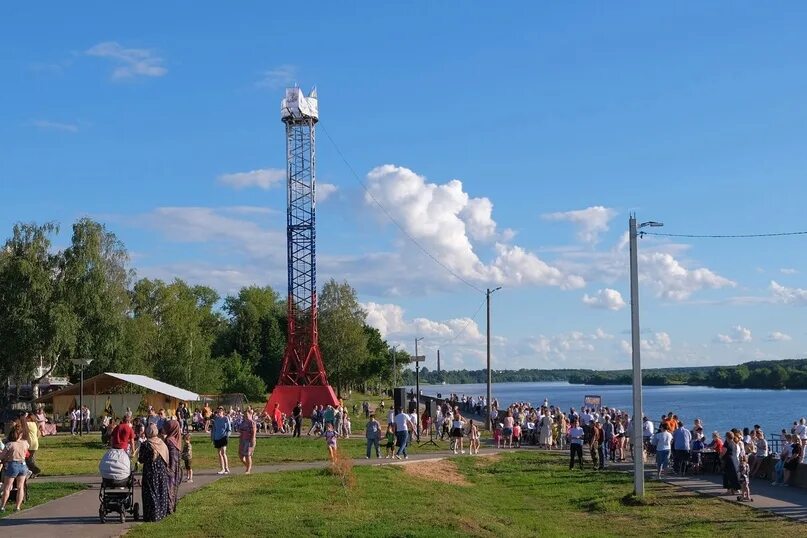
<point x="86" y="302"/>
<point x="791" y="374"/>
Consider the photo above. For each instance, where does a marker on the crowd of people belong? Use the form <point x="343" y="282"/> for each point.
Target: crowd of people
<point x="160" y="445"/>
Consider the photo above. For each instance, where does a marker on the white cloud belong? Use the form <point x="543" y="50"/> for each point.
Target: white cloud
<point x="590" y="222"/>
<point x="212" y="225"/>
<point x="325" y="191"/>
<point x="738" y="335"/>
<point x="788" y="271"/>
<point x="655" y="348"/>
<point x="607" y="298"/>
<point x="390" y="321"/>
<point x="444" y="220"/>
<point x="279" y="77"/>
<point x="130" y="62"/>
<point x="54" y="126"/>
<point x="778" y="336"/>
<point x="660" y="267"/>
<point x="675" y="282"/>
<point x="264" y="178"/>
<point x="783" y="294"/>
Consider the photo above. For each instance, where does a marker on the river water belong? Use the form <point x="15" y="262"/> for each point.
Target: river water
<point x="720" y="409"/>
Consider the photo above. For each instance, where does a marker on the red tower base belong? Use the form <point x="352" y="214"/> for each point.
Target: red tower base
<point x="309" y="395"/>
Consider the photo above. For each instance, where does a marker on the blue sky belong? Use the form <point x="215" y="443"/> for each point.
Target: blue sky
<point x="511" y="143"/>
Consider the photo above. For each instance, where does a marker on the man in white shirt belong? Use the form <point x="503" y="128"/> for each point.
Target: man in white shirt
<point x="801" y="433"/>
<point x="575" y="444"/>
<point x="75" y="417"/>
<point x="403" y="425"/>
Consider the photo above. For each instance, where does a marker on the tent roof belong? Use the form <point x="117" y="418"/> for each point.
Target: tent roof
<point x="103" y="382"/>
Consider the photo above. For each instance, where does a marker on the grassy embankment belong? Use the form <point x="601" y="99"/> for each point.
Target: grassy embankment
<point x="516" y="494"/>
<point x="42" y="492"/>
<point x="73" y="455"/>
<point x="68" y="455"/>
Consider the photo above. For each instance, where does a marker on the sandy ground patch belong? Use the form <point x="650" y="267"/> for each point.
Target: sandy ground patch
<point x="440" y="471"/>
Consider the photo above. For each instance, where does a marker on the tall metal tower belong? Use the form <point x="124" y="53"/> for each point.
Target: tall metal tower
<point x="302" y="375"/>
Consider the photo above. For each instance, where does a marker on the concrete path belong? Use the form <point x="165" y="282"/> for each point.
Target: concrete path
<point x="76" y="515"/>
<point x="789" y="502"/>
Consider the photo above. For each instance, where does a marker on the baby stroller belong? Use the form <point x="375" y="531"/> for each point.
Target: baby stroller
<point x="117" y="486"/>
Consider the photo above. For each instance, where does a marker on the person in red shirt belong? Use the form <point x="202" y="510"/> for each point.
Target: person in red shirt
<point x="123" y="436"/>
<point x="277" y="418"/>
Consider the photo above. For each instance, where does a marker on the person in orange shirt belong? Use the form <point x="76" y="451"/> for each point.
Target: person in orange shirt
<point x="277" y="418"/>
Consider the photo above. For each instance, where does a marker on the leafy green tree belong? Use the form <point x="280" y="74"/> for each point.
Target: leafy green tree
<point x="255" y="330"/>
<point x="238" y="377"/>
<point x="181" y="323"/>
<point x="341" y="332"/>
<point x="36" y="325"/>
<point x="95" y="281"/>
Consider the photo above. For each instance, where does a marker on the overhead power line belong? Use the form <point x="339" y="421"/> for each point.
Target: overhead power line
<point x="724" y="236"/>
<point x="467" y="323"/>
<point x="393" y="219"/>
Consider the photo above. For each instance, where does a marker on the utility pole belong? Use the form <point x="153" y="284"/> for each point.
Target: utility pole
<point x="638" y="439"/>
<point x="418" y="358"/>
<point x="488" y="293"/>
<point x="394" y="367"/>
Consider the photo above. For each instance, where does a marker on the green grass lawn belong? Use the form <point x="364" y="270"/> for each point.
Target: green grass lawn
<point x="517" y="494"/>
<point x="69" y="455"/>
<point x="42" y="492"/>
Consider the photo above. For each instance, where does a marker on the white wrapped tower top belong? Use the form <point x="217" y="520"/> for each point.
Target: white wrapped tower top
<point x="296" y="106"/>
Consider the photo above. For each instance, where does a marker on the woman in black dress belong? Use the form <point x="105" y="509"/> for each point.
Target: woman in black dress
<point x="731" y="478"/>
<point x="154" y="457"/>
<point x="172" y="434"/>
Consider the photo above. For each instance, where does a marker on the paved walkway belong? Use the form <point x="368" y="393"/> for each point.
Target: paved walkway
<point x="76" y="515"/>
<point x="788" y="502"/>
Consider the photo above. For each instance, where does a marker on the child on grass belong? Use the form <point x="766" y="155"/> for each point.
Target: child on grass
<point x="390" y="438"/>
<point x="330" y="441"/>
<point x="187" y="457"/>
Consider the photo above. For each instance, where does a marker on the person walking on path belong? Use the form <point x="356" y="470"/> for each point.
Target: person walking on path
<point x="173" y="440"/>
<point x="219" y="433"/>
<point x="663" y="442"/>
<point x="123" y="436"/>
<point x="154" y="456"/>
<point x="297" y="415"/>
<point x="15" y="470"/>
<point x="576" y="434"/>
<point x="473" y="434"/>
<point x="31" y="434"/>
<point x="373" y="434"/>
<point x="682" y="445"/>
<point x="248" y="436"/>
<point x="402" y="426"/>
<point x="330" y="441"/>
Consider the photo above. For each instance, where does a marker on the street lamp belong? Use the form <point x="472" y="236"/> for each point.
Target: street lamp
<point x="488" y="293"/>
<point x="418" y="359"/>
<point x="638" y="444"/>
<point x="81" y="363"/>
